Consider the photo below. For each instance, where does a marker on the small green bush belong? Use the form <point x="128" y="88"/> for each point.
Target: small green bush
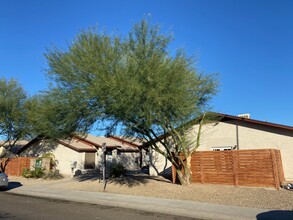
<point x="26" y="173"/>
<point x="36" y="173"/>
<point x="118" y="170"/>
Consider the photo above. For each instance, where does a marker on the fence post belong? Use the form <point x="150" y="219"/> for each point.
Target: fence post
<point x="18" y="166"/>
<point x="280" y="166"/>
<point x="201" y="167"/>
<point x="235" y="170"/>
<point x="173" y="174"/>
<point x="275" y="169"/>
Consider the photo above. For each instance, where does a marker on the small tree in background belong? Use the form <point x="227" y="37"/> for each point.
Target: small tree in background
<point x="137" y="86"/>
<point x="13" y="121"/>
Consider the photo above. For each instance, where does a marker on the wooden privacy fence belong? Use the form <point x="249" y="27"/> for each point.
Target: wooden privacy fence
<point x="16" y="165"/>
<point x="261" y="168"/>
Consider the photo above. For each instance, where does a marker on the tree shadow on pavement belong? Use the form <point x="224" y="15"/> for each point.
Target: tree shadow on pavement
<point x="136" y="179"/>
<point x="130" y="179"/>
<point x="87" y="177"/>
<point x="6" y="215"/>
<point x="275" y="215"/>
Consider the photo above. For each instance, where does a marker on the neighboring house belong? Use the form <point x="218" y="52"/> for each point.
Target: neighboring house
<point x="82" y="153"/>
<point x="232" y="132"/>
<point x="12" y="151"/>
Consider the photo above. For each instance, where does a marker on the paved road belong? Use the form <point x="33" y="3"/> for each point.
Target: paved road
<point x="25" y="207"/>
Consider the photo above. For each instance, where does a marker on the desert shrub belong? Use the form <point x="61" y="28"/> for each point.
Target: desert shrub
<point x="53" y="174"/>
<point x="36" y="173"/>
<point x="117" y="170"/>
<point x="26" y="173"/>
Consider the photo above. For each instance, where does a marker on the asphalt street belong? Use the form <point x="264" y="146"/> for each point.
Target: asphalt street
<point x="26" y="207"/>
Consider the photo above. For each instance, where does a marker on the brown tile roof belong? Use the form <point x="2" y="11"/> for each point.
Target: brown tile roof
<point x="90" y="143"/>
<point x="226" y="117"/>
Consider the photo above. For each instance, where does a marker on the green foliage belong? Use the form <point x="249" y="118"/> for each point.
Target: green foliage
<point x="53" y="162"/>
<point x="36" y="173"/>
<point x="13" y="121"/>
<point x="50" y="115"/>
<point x="117" y="170"/>
<point x="134" y="84"/>
<point x="26" y="173"/>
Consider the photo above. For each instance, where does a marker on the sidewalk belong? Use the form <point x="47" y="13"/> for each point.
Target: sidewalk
<point x="168" y="206"/>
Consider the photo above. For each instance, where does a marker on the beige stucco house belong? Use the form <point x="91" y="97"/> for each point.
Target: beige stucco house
<point x="84" y="153"/>
<point x="233" y="132"/>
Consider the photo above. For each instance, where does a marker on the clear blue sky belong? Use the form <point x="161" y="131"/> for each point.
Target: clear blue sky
<point x="249" y="42"/>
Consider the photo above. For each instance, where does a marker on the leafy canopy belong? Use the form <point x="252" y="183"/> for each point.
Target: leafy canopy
<point x="13" y="124"/>
<point x="133" y="82"/>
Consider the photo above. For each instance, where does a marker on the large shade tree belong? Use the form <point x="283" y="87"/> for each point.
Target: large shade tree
<point x="135" y="84"/>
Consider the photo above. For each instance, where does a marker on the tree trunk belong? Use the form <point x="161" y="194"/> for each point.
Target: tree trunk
<point x="3" y="164"/>
<point x="185" y="174"/>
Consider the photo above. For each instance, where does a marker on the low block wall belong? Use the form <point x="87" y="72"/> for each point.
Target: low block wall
<point x="261" y="168"/>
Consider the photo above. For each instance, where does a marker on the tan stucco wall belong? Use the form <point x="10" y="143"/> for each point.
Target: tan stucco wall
<point x="63" y="155"/>
<point x="66" y="156"/>
<point x="129" y="160"/>
<point x="250" y="136"/>
<point x="158" y="163"/>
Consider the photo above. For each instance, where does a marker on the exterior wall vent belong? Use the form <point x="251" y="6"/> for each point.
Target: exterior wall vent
<point x="247" y="115"/>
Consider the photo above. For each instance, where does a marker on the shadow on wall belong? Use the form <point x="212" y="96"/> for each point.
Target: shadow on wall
<point x="39" y="147"/>
<point x="130" y="160"/>
<point x="167" y="173"/>
<point x="275" y="215"/>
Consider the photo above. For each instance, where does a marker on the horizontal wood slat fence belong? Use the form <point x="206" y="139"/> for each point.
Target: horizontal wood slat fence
<point x="16" y="165"/>
<point x="261" y="168"/>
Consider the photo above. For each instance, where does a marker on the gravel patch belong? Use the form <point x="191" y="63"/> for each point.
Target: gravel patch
<point x="144" y="185"/>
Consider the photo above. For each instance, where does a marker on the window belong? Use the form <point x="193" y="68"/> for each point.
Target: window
<point x="222" y="148"/>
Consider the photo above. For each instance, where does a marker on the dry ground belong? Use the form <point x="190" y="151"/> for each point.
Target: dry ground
<point x="144" y="185"/>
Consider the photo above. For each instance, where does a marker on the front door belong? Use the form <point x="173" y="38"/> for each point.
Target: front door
<point x="89" y="160"/>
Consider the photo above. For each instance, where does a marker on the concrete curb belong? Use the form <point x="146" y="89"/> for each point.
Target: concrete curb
<point x="167" y="206"/>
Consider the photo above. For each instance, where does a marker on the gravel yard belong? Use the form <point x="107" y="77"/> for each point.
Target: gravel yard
<point x="144" y="185"/>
